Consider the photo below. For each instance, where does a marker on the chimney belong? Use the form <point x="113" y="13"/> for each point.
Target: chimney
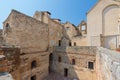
<point x="57" y="20"/>
<point x="42" y="16"/>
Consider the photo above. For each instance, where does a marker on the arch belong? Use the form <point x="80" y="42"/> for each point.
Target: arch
<point x="105" y="10"/>
<point x="109" y="6"/>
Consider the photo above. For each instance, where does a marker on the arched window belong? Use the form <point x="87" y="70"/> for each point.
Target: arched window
<point x="73" y="61"/>
<point x="33" y="64"/>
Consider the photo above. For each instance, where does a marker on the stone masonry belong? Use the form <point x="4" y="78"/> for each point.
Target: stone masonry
<point x="43" y="48"/>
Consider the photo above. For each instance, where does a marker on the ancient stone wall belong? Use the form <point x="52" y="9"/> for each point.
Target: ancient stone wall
<point x="40" y="70"/>
<point x="55" y="33"/>
<point x="106" y="63"/>
<point x="55" y="29"/>
<point x="107" y="14"/>
<point x="79" y="41"/>
<point x="78" y="69"/>
<point x="3" y="63"/>
<point x="12" y="60"/>
<point x="109" y="64"/>
<point x="32" y="37"/>
<point x="25" y="31"/>
<point x="70" y="30"/>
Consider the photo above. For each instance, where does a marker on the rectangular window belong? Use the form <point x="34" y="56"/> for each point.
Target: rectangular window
<point x="73" y="61"/>
<point x="90" y="65"/>
<point x="74" y="43"/>
<point x="65" y="72"/>
<point x="59" y="43"/>
<point x="59" y="59"/>
<point x="70" y="44"/>
<point x="83" y="27"/>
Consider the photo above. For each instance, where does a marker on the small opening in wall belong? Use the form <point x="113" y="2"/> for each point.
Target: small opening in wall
<point x="51" y="57"/>
<point x="65" y="72"/>
<point x="59" y="59"/>
<point x="67" y="28"/>
<point x="7" y="26"/>
<point x="33" y="64"/>
<point x="74" y="43"/>
<point x="33" y="77"/>
<point x="90" y="65"/>
<point x="59" y="43"/>
<point x="83" y="27"/>
<point x="73" y="61"/>
<point x="70" y="44"/>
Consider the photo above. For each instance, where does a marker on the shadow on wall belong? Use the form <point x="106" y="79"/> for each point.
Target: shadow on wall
<point x="72" y="63"/>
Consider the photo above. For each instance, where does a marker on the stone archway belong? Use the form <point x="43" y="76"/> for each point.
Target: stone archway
<point x="110" y="16"/>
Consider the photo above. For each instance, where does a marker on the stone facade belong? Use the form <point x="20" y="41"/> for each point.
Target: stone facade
<point x="76" y="61"/>
<point x="73" y="52"/>
<point x="107" y="24"/>
<point x="86" y="63"/>
<point x="108" y="64"/>
<point x="11" y="61"/>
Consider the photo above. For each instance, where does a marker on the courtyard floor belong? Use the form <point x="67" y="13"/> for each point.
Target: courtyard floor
<point x="55" y="76"/>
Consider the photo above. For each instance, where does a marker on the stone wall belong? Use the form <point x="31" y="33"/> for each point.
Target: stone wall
<point x="79" y="41"/>
<point x="41" y="68"/>
<point x="109" y="64"/>
<point x="70" y="30"/>
<point x="79" y="70"/>
<point x="12" y="60"/>
<point x="55" y="29"/>
<point x="3" y="64"/>
<point x="55" y="33"/>
<point x="27" y="32"/>
<point x="32" y="37"/>
<point x="106" y="63"/>
<point x="107" y="14"/>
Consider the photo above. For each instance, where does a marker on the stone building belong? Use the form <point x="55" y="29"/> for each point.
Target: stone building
<point x="10" y="61"/>
<point x="36" y="36"/>
<point x="43" y="48"/>
<point x="105" y="30"/>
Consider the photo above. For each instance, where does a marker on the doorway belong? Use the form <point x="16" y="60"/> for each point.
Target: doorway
<point x="65" y="72"/>
<point x="50" y="62"/>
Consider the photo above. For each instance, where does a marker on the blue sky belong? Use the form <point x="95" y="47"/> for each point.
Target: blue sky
<point x="67" y="10"/>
